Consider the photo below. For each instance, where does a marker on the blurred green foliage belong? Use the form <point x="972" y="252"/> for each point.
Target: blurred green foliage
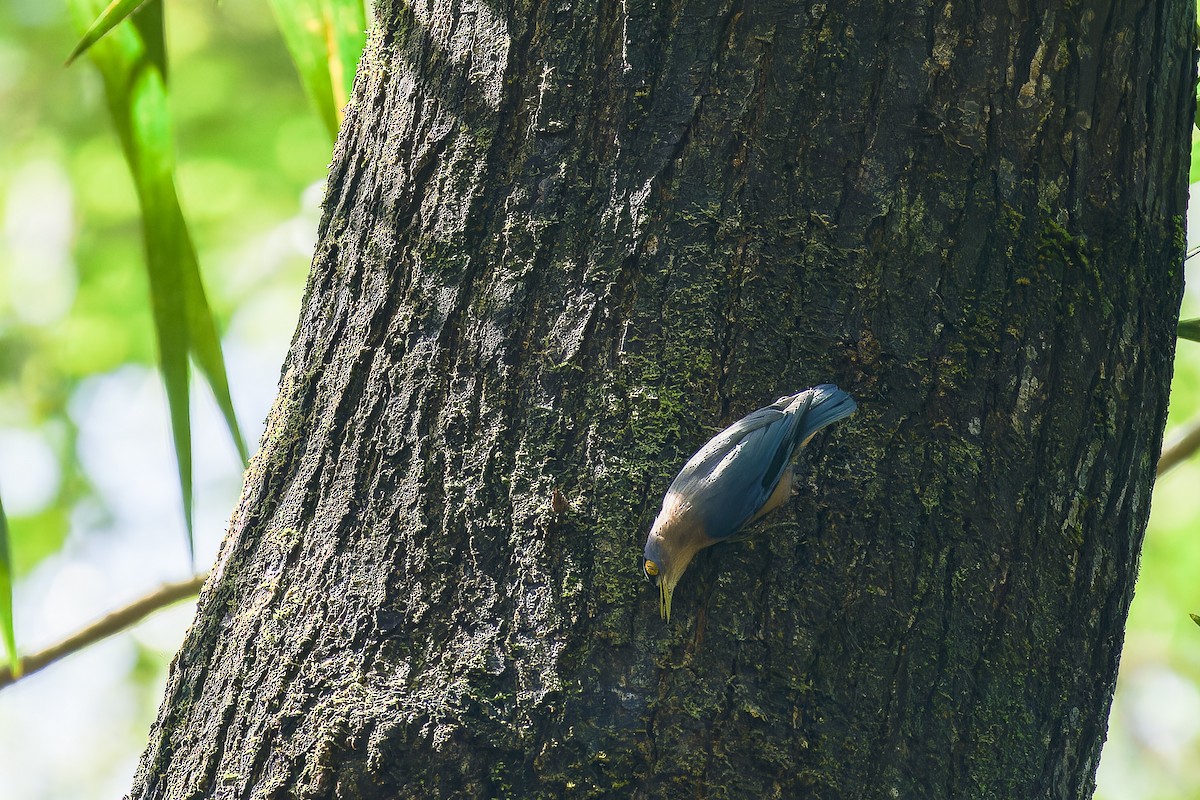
<point x="326" y="39"/>
<point x="248" y="146"/>
<point x="74" y="297"/>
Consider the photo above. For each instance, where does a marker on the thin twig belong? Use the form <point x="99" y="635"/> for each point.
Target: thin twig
<point x="1180" y="448"/>
<point x="106" y="626"/>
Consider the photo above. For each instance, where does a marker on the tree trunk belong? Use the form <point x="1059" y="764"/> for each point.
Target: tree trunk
<point x="564" y="242"/>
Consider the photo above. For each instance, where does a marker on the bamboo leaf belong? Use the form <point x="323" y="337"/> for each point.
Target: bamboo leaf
<point x="132" y="61"/>
<point x="1189" y="329"/>
<point x="7" y="629"/>
<point x="325" y="39"/>
<point x="137" y="100"/>
<point x="347" y="25"/>
<point x="110" y="17"/>
<point x="151" y="26"/>
<point x="206" y="344"/>
<point x="202" y="339"/>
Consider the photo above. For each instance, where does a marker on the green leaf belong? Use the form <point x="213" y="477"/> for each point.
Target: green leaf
<point x="1195" y="619"/>
<point x="109" y="18"/>
<point x="206" y="346"/>
<point x="1189" y="329"/>
<point x="325" y="39"/>
<point x="7" y="630"/>
<point x="132" y="61"/>
<point x="137" y="99"/>
<point x="202" y="339"/>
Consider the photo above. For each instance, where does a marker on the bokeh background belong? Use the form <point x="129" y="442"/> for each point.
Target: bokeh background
<point x="87" y="471"/>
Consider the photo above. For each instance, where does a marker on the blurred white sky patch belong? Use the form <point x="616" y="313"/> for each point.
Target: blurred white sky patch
<point x="35" y="251"/>
<point x="72" y="592"/>
<point x="1165" y="712"/>
<point x="124" y="443"/>
<point x="1155" y="720"/>
<point x="270" y="259"/>
<point x="29" y="472"/>
<point x="125" y="450"/>
<point x="83" y="710"/>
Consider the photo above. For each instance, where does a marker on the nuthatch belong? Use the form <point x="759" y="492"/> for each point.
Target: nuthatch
<point x="744" y="472"/>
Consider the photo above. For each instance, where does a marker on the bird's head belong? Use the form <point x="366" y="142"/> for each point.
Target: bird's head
<point x="669" y="549"/>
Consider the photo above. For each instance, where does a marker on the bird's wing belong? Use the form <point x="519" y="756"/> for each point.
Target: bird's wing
<point x="731" y="477"/>
<point x="717" y="448"/>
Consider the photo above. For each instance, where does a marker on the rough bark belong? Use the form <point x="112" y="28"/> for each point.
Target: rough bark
<point x="562" y="243"/>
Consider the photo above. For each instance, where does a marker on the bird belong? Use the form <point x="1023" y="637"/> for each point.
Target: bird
<point x="738" y="477"/>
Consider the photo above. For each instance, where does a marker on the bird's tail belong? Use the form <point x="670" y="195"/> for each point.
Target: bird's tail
<point x="827" y="405"/>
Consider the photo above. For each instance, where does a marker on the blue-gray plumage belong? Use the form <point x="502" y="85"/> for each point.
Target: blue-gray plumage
<point x="744" y="472"/>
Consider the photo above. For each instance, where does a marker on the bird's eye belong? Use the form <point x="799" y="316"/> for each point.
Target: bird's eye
<point x="651" y="568"/>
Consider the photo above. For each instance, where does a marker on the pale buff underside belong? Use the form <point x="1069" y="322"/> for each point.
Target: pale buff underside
<point x="682" y="535"/>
